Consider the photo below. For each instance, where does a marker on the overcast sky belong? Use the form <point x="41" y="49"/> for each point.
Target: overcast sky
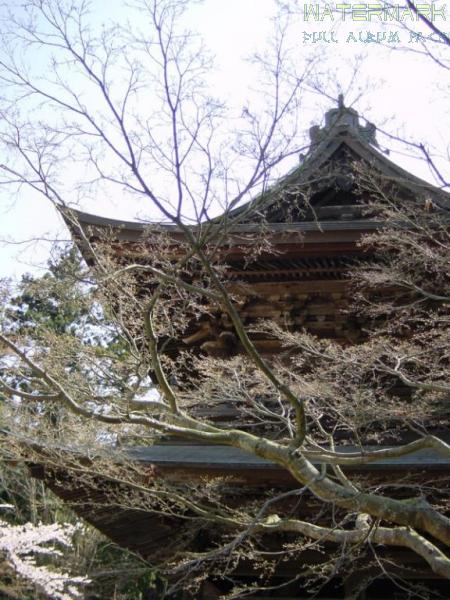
<point x="395" y="87"/>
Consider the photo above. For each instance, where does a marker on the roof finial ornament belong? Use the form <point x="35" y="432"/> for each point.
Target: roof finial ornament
<point x="340" y="121"/>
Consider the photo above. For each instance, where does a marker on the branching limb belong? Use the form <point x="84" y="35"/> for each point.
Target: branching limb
<point x="26" y="396"/>
<point x="429" y="442"/>
<point x="395" y="536"/>
<point x="154" y="353"/>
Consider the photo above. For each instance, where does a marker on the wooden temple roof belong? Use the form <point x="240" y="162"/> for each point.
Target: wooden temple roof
<point x="326" y="174"/>
<point x="314" y="244"/>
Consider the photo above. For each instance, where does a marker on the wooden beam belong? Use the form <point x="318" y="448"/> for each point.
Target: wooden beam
<point x="265" y="288"/>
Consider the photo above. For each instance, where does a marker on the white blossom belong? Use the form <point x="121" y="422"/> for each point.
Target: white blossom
<point x="22" y="543"/>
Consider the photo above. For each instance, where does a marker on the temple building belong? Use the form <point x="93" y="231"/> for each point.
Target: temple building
<point x="314" y="218"/>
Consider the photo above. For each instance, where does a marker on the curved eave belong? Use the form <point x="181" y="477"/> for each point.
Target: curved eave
<point x="394" y="172"/>
<point x="88" y="220"/>
<point x="135" y="231"/>
<point x="324" y="151"/>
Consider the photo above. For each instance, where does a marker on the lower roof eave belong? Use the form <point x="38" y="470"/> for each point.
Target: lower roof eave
<point x="227" y="459"/>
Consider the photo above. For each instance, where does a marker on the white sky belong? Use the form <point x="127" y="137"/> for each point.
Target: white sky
<point x="399" y="91"/>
